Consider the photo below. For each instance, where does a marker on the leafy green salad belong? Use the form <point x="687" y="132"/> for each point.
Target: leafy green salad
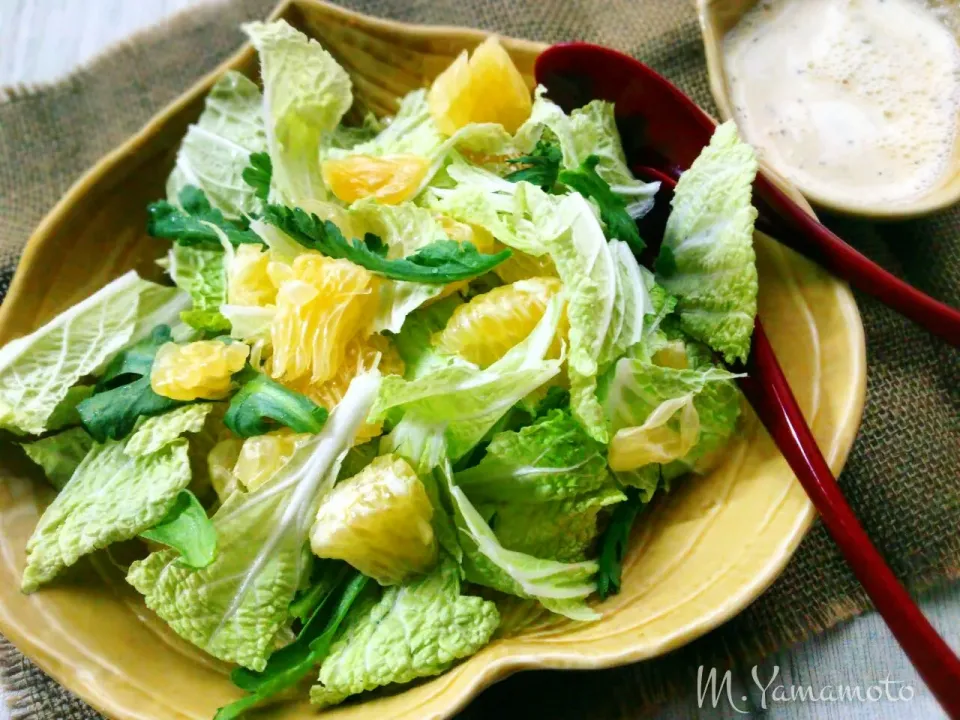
<point x="405" y="372"/>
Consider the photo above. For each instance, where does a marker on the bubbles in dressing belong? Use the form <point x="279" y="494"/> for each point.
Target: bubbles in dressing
<point x="855" y="100"/>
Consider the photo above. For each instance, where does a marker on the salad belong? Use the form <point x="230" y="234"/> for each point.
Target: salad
<point x="403" y="370"/>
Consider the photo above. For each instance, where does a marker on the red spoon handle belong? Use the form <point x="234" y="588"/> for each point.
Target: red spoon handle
<point x="812" y="239"/>
<point x="768" y="392"/>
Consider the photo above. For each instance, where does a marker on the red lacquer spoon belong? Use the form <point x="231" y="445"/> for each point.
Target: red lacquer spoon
<point x="663" y="131"/>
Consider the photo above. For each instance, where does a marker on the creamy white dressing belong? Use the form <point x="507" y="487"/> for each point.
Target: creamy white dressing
<point x="854" y="100"/>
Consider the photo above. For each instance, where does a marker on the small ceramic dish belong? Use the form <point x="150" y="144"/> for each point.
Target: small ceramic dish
<point x="719" y="17"/>
<point x="706" y="552"/>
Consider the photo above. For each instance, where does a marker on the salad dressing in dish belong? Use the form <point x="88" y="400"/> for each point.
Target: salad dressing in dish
<point x="855" y="100"/>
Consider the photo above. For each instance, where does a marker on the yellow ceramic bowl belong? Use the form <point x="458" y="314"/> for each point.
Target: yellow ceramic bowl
<point x="706" y="552"/>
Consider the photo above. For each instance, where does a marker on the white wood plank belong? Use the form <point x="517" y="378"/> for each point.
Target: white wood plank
<point x="43" y="39"/>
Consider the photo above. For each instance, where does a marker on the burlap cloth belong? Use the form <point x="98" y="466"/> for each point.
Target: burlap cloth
<point x="903" y="476"/>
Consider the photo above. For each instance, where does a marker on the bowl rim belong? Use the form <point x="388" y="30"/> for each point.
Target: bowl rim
<point x="926" y="204"/>
<point x="502" y="664"/>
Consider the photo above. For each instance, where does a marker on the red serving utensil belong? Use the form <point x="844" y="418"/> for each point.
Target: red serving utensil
<point x="577" y="73"/>
<point x="663" y="129"/>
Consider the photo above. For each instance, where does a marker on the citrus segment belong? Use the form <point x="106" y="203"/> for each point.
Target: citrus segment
<point x="322" y="304"/>
<point x="362" y="354"/>
<point x="379" y="522"/>
<point x="521" y="266"/>
<point x="486" y="88"/>
<point x="263" y="455"/>
<point x="248" y="282"/>
<point x="196" y="370"/>
<point x="484" y="329"/>
<point x="220" y="463"/>
<point x="391" y="179"/>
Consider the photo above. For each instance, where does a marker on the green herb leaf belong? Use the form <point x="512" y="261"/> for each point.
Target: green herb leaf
<point x="258" y="174"/>
<point x="326" y="577"/>
<point x="112" y="414"/>
<point x="557" y="398"/>
<point x="440" y="262"/>
<point x="542" y="166"/>
<point x="290" y="664"/>
<point x="613" y="208"/>
<point x="613" y="543"/>
<point x="187" y="529"/>
<point x="191" y="225"/>
<point x="262" y="403"/>
<point x="135" y="361"/>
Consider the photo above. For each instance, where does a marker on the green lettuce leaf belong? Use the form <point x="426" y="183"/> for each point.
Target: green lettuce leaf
<point x="110" y="497"/>
<point x="465" y="401"/>
<point x="590" y="130"/>
<point x="187" y="530"/>
<point x="306" y="93"/>
<point x="559" y="587"/>
<point x="292" y="663"/>
<point x="60" y="455"/>
<point x="38" y="370"/>
<point x="553" y="459"/>
<point x="411" y="131"/>
<point x="216" y="150"/>
<point x="593" y="129"/>
<point x="202" y="275"/>
<point x="156" y="432"/>
<point x="439" y="262"/>
<point x="562" y="530"/>
<point x="518" y="214"/>
<point x="65" y="414"/>
<point x="412" y="631"/>
<point x="262" y="404"/>
<point x="543" y="487"/>
<point x="235" y="607"/>
<point x="669" y="414"/>
<point x="707" y="258"/>
<point x="586" y="265"/>
<point x="605" y="287"/>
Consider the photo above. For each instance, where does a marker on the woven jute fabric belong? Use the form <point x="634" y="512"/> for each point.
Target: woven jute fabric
<point x="903" y="475"/>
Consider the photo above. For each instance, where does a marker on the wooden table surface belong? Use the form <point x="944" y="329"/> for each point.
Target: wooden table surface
<point x="40" y="40"/>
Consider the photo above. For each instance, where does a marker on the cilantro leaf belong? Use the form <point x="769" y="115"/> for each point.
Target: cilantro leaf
<point x="191" y="225"/>
<point x="187" y="529"/>
<point x="258" y="174"/>
<point x="440" y="262"/>
<point x="262" y="403"/>
<point x="290" y="664"/>
<point x="613" y="209"/>
<point x="613" y="543"/>
<point x="543" y="166"/>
